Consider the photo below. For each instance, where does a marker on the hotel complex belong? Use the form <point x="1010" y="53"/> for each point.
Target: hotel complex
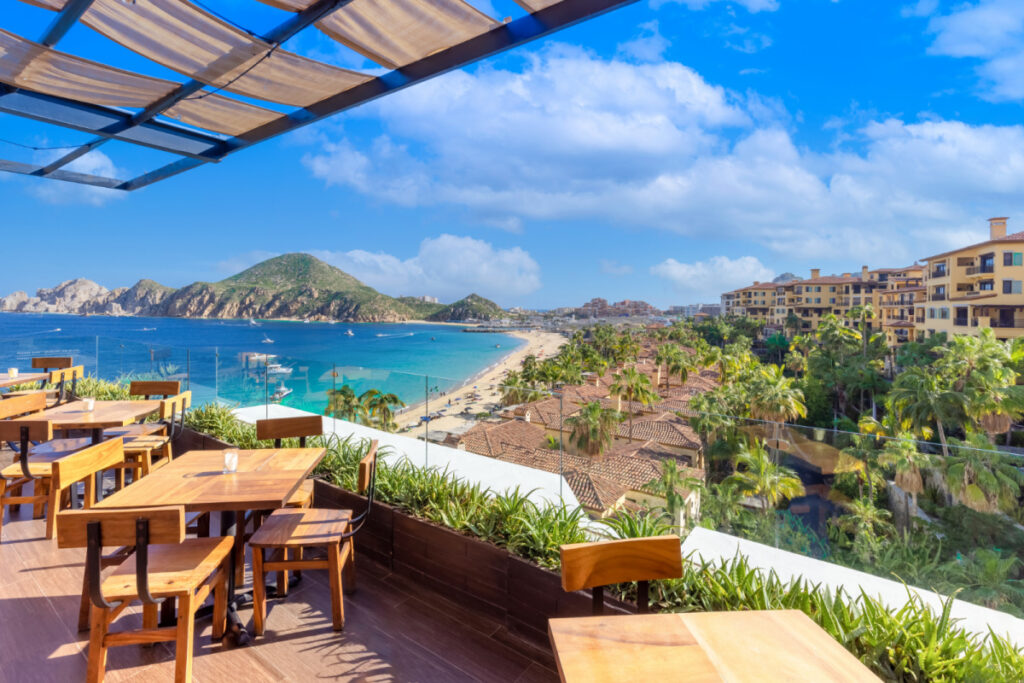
<point x="956" y="292"/>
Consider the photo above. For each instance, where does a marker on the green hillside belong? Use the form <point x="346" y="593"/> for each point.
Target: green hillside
<point x="421" y="310"/>
<point x="473" y="307"/>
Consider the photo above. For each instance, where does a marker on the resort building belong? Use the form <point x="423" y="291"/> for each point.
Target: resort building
<point x="600" y="308"/>
<point x="975" y="287"/>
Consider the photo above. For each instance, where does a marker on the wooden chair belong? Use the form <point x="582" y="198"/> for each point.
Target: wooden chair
<point x="61" y="379"/>
<point x="165" y="566"/>
<point x="146" y="451"/>
<point x="46" y="364"/>
<point x="147" y="389"/>
<point x="55" y="472"/>
<point x="60" y="369"/>
<point x="289" y="428"/>
<point x="596" y="565"/>
<point x="287" y="530"/>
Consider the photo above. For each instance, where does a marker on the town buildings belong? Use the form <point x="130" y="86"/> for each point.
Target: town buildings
<point x="956" y="292"/>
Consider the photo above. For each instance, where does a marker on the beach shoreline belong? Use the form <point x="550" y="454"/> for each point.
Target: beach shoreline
<point x="540" y="344"/>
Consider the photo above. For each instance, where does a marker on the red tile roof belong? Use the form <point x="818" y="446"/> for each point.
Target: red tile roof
<point x="491" y="438"/>
<point x="1013" y="237"/>
<point x="664" y="428"/>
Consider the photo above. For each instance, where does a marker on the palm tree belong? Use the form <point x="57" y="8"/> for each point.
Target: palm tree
<point x="593" y="428"/>
<point x="635" y="387"/>
<point x="903" y="456"/>
<point x="920" y="398"/>
<point x="668" y="486"/>
<point x="757" y="475"/>
<point x="863" y="315"/>
<point x="980" y="477"/>
<point x="663" y="357"/>
<point x="378" y="407"/>
<point x="680" y="364"/>
<point x="515" y="389"/>
<point x="345" y="405"/>
<point x="775" y="398"/>
<point x="868" y="525"/>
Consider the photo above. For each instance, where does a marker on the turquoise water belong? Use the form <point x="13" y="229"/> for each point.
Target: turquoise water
<point x="214" y="357"/>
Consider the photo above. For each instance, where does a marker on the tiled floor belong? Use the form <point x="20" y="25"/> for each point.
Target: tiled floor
<point x="394" y="630"/>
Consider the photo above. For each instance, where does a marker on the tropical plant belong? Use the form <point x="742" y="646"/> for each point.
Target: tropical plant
<point x="378" y="408"/>
<point x="920" y="398"/>
<point x="635" y="387"/>
<point x="775" y="398"/>
<point x="343" y="404"/>
<point x="593" y="428"/>
<point x="758" y="476"/>
<point x="868" y="525"/>
<point x="982" y="478"/>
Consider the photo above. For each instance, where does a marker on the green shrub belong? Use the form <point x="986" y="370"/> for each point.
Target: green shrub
<point x="218" y="421"/>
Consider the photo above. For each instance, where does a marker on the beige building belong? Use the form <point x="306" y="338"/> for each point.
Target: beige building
<point x="975" y="287"/>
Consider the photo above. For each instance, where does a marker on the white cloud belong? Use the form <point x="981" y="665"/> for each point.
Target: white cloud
<point x="649" y="46"/>
<point x="609" y="267"/>
<point x="921" y="8"/>
<point x="447" y="266"/>
<point x="706" y="280"/>
<point x="574" y="137"/>
<point x="62" y="192"/>
<point x="991" y="31"/>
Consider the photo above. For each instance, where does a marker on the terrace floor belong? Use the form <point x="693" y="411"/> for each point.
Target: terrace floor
<point x="394" y="630"/>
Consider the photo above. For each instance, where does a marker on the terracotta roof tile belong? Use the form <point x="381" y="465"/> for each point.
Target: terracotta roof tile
<point x="664" y="428"/>
<point x="488" y="438"/>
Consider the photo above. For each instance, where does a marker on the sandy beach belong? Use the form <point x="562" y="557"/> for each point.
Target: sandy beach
<point x="455" y="402"/>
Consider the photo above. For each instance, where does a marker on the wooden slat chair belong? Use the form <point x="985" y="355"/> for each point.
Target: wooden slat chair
<point x="65" y="382"/>
<point x="162" y="389"/>
<point x="147" y="451"/>
<point x="596" y="565"/>
<point x="296" y="528"/>
<point x="289" y="428"/>
<point x="56" y="472"/>
<point x="165" y="565"/>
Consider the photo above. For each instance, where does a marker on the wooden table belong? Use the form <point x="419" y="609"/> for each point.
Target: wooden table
<point x="782" y="645"/>
<point x="22" y="378"/>
<point x="104" y="415"/>
<point x="265" y="480"/>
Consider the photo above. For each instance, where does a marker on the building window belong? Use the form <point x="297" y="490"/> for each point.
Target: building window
<point x="1011" y="287"/>
<point x="931" y="312"/>
<point x="986" y="285"/>
<point x="944" y="313"/>
<point x="1012" y="258"/>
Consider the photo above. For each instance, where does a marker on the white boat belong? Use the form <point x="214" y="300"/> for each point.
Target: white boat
<point x="278" y="369"/>
<point x="280" y="393"/>
<point x="267" y="340"/>
<point x="349" y="333"/>
<point x="306" y="320"/>
<point x="253" y="323"/>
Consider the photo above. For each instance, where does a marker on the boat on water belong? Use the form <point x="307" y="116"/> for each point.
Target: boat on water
<point x="497" y="346"/>
<point x="280" y="392"/>
<point x="253" y="323"/>
<point x="349" y="333"/>
<point x="267" y="340"/>
<point x="278" y="369"/>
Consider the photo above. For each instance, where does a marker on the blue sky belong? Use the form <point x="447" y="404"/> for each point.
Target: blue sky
<point x="666" y="151"/>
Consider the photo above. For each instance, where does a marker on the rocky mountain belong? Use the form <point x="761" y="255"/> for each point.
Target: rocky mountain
<point x="287" y="286"/>
<point x="473" y="307"/>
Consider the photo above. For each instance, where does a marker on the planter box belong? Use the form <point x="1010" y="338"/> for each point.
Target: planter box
<point x="191" y="440"/>
<point x="466" y="570"/>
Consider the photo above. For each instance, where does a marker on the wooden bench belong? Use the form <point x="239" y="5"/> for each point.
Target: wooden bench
<point x="596" y="565"/>
<point x="165" y="566"/>
<point x="287" y="531"/>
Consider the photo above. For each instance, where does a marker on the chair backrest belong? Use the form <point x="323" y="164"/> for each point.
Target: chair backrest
<point x="172" y="411"/>
<point x="161" y="388"/>
<point x="366" y="483"/>
<point x="85" y="463"/>
<point x="64" y="375"/>
<point x="24" y="432"/>
<point x="595" y="565"/>
<point x="52" y="362"/>
<point x="138" y="527"/>
<point x="24" y="404"/>
<point x="278" y="428"/>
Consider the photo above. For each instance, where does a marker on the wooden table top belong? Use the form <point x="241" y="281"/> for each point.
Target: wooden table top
<point x="104" y="414"/>
<point x="22" y="378"/>
<point x="265" y="480"/>
<point x="780" y="645"/>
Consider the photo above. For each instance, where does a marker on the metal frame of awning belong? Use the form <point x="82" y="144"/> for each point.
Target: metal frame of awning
<point x="196" y="147"/>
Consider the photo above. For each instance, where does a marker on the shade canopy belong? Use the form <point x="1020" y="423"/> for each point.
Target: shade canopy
<point x="200" y="117"/>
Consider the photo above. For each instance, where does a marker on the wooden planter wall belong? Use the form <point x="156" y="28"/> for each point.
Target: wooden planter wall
<point x="469" y="571"/>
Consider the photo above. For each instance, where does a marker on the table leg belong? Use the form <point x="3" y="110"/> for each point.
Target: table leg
<point x="228" y="522"/>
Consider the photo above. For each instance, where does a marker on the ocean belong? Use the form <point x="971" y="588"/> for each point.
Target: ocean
<point x="230" y="361"/>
